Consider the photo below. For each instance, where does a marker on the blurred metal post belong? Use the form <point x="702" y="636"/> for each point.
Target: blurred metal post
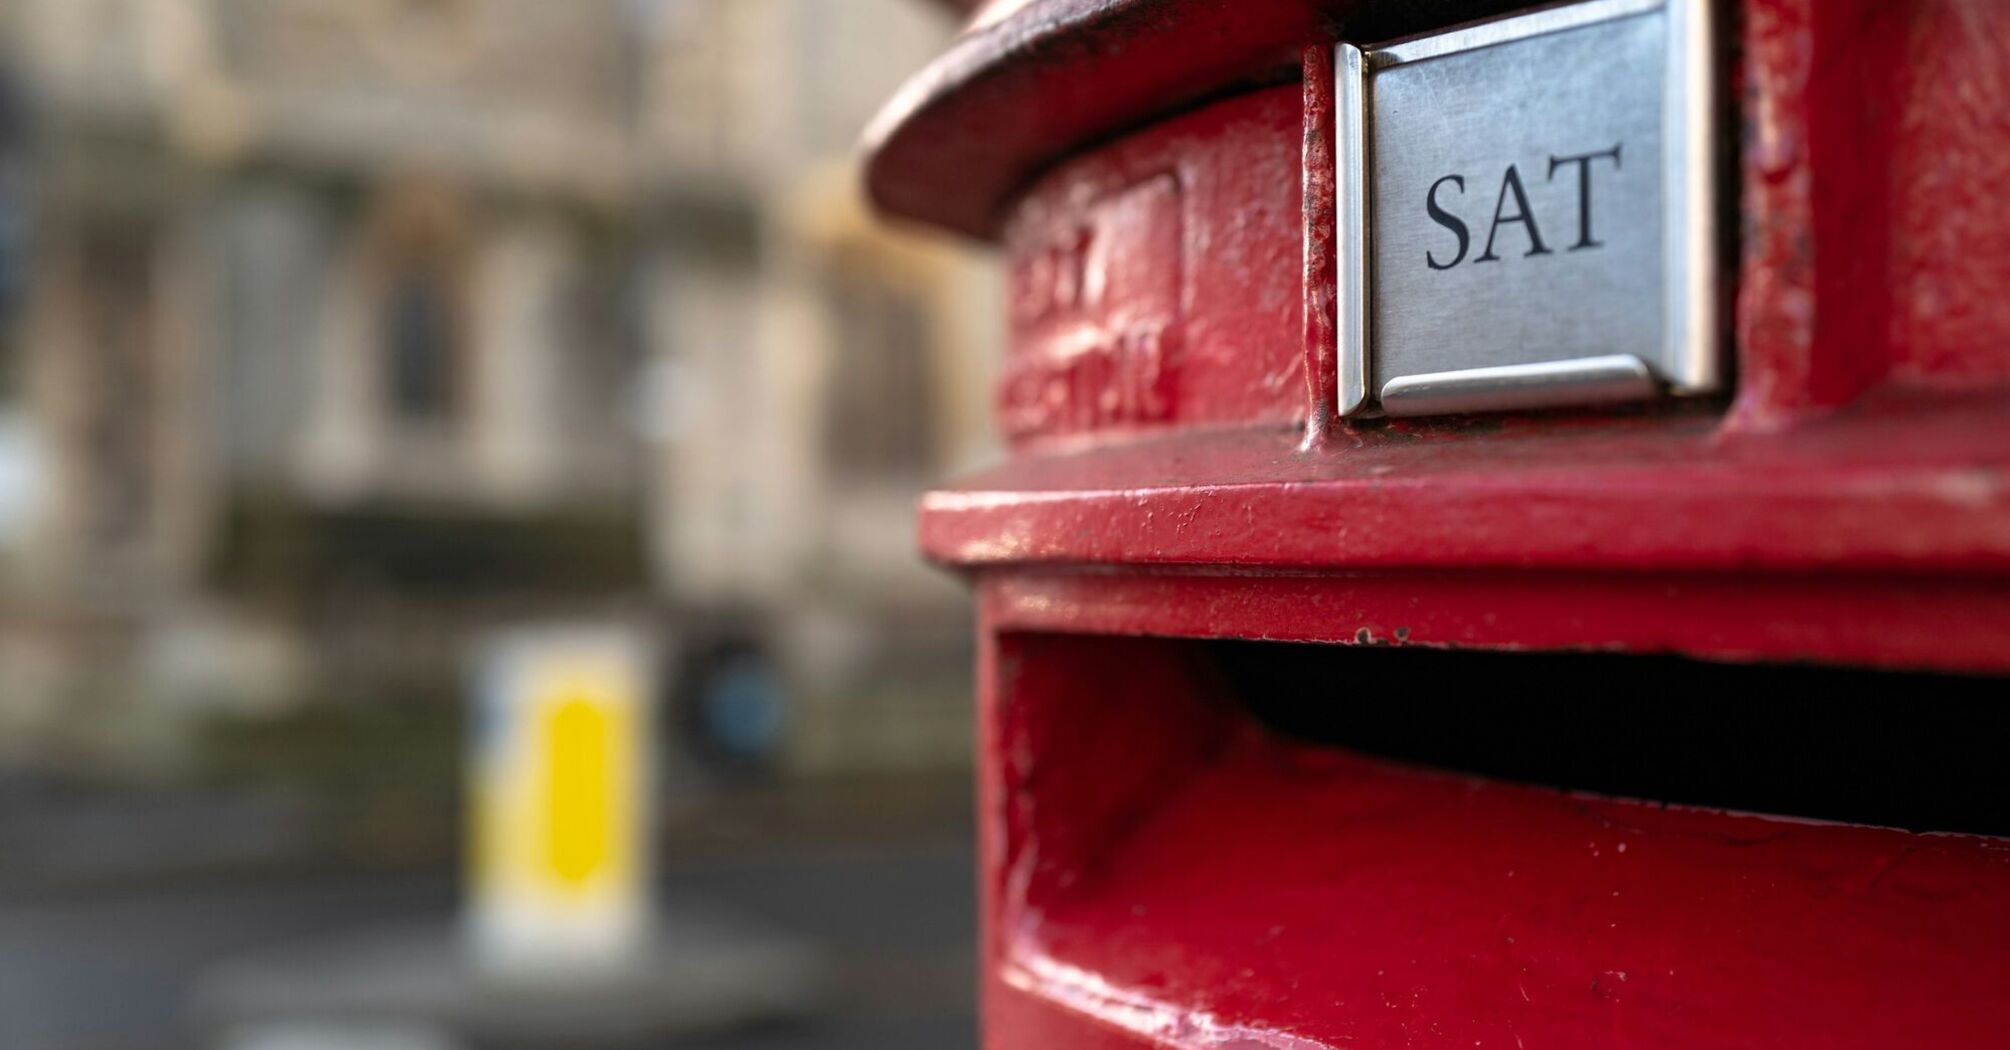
<point x="560" y="769"/>
<point x="558" y="941"/>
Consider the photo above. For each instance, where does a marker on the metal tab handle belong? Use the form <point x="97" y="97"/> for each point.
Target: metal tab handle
<point x="1548" y="384"/>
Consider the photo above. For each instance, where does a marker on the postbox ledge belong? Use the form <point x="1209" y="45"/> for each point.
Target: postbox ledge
<point x="1893" y="490"/>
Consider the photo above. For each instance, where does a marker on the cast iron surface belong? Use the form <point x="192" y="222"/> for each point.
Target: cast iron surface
<point x="1159" y="870"/>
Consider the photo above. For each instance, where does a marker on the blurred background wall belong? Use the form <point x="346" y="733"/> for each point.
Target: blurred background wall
<point x="335" y="334"/>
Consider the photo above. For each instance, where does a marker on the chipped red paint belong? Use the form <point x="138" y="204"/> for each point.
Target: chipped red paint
<point x="1949" y="128"/>
<point x="1157" y="871"/>
<point x="1320" y="264"/>
<point x="1877" y="238"/>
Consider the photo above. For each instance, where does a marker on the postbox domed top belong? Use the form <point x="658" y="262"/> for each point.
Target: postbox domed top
<point x="1031" y="81"/>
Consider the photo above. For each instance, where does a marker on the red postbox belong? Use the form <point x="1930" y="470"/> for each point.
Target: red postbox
<point x="1353" y="679"/>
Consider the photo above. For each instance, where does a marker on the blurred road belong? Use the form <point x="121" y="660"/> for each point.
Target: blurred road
<point x="115" y="971"/>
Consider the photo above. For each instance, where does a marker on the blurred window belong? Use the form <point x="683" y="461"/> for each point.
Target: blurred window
<point x="881" y="418"/>
<point x="16" y="214"/>
<point x="420" y="339"/>
<point x="116" y="298"/>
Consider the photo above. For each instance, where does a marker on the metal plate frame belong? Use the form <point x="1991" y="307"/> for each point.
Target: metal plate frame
<point x="1689" y="357"/>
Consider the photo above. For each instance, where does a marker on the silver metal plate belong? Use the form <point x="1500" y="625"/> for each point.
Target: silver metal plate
<point x="1527" y="212"/>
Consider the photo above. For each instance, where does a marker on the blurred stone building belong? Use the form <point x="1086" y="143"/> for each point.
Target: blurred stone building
<point x="351" y="328"/>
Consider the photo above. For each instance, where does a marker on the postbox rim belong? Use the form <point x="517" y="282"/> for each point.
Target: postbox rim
<point x="1025" y="86"/>
<point x="1013" y="94"/>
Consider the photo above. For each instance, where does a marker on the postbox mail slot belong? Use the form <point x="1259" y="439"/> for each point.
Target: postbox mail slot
<point x="1527" y="214"/>
<point x="1199" y="843"/>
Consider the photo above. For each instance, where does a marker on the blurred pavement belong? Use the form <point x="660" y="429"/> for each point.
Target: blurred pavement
<point x="116" y="970"/>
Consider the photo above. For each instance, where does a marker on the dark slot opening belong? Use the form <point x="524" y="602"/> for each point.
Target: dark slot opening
<point x="1925" y="752"/>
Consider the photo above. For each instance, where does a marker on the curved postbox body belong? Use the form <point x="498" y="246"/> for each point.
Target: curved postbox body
<point x="1505" y="533"/>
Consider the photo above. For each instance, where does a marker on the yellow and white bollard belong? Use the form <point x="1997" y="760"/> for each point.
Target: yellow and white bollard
<point x="560" y="771"/>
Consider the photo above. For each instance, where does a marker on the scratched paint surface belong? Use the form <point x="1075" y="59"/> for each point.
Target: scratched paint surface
<point x="1211" y="885"/>
<point x="1950" y="219"/>
<point x="1436" y="911"/>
